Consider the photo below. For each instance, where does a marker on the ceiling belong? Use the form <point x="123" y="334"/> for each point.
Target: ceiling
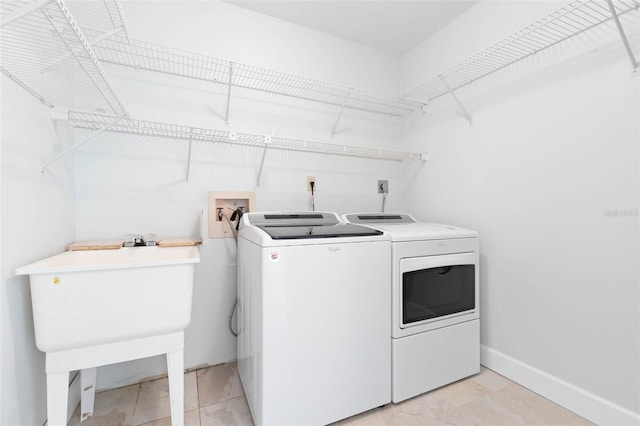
<point x="394" y="26"/>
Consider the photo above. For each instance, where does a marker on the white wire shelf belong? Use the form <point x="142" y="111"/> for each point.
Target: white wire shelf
<point x="152" y="57"/>
<point x="566" y="22"/>
<point x="50" y="55"/>
<point x="45" y="51"/>
<point x="96" y="121"/>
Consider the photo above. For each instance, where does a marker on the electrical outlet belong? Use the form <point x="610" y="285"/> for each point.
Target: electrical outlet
<point x="309" y="180"/>
<point x="383" y="187"/>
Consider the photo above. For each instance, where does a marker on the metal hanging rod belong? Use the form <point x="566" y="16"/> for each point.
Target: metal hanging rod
<point x="152" y="57"/>
<point x="88" y="120"/>
<point x="568" y="21"/>
<point x="44" y="48"/>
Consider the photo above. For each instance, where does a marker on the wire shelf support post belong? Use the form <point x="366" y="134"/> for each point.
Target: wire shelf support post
<point x="189" y="157"/>
<point x="226" y="118"/>
<point x="623" y="36"/>
<point x="267" y="141"/>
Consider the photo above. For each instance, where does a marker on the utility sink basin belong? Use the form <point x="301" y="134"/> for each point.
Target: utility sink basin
<point x="88" y="298"/>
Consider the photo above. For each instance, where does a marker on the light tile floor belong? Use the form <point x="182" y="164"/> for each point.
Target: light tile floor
<point x="214" y="396"/>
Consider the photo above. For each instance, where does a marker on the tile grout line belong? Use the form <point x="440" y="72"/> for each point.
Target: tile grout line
<point x="195" y="373"/>
<point x="135" y="407"/>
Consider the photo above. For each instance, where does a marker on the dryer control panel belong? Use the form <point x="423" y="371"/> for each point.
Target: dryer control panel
<point x="379" y="218"/>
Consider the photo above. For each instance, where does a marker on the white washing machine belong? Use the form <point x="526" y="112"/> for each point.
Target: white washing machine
<point x="435" y="325"/>
<point x="313" y="321"/>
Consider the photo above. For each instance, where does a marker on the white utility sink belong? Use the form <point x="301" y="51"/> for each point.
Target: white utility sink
<point x="83" y="298"/>
<point x="98" y="307"/>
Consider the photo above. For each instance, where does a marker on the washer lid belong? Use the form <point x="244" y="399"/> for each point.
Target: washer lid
<point x="279" y="232"/>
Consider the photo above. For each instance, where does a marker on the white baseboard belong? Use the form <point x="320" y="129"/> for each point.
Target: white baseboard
<point x="578" y="400"/>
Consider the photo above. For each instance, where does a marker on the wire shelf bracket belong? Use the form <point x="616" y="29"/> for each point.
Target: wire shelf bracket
<point x="344" y="104"/>
<point x="455" y="98"/>
<point x="26" y="87"/>
<point x="120" y="17"/>
<point x="623" y="36"/>
<point x="23" y="11"/>
<point x="91" y="42"/>
<point x="83" y="142"/>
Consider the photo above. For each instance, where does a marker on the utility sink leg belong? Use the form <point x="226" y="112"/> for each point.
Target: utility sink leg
<point x="87" y="397"/>
<point x="175" y="367"/>
<point x="57" y="394"/>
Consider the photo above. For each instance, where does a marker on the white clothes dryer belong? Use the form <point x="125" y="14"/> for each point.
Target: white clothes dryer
<point x="313" y="320"/>
<point x="435" y="322"/>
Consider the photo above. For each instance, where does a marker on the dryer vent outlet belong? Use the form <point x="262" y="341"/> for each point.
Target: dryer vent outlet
<point x="383" y="187"/>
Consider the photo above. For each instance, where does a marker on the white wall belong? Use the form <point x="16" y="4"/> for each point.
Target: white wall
<point x="38" y="220"/>
<point x="549" y="153"/>
<point x="228" y="32"/>
<point x="128" y="184"/>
